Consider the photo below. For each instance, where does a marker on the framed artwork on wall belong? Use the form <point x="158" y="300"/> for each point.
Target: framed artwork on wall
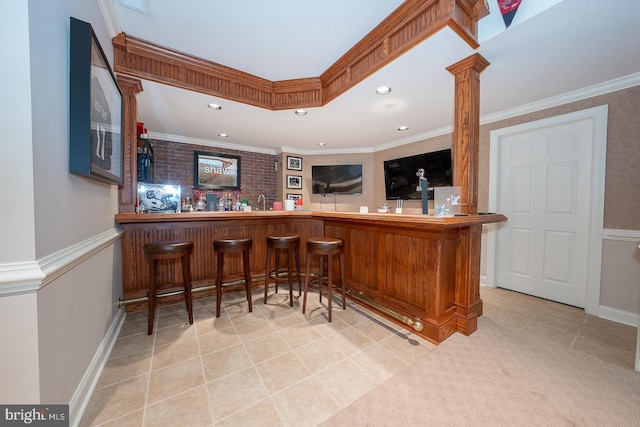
<point x="216" y="171"/>
<point x="95" y="109"/>
<point x="294" y="181"/>
<point x="158" y="198"/>
<point x="292" y="196"/>
<point x="294" y="163"/>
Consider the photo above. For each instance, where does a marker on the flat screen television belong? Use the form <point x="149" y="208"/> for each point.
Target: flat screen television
<point x="401" y="179"/>
<point x="336" y="179"/>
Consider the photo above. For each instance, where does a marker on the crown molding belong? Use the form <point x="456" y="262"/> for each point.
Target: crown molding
<point x="578" y="95"/>
<point x="110" y="17"/>
<point x="210" y="143"/>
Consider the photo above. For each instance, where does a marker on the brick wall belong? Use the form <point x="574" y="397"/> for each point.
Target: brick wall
<point x="173" y="164"/>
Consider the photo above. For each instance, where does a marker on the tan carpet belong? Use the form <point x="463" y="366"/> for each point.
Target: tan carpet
<point x="499" y="377"/>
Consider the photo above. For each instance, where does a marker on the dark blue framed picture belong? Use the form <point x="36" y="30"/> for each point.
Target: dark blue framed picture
<point x="96" y="104"/>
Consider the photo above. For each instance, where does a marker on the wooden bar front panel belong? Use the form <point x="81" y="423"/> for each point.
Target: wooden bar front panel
<point x="136" y="271"/>
<point x="408" y="270"/>
<point x="418" y="266"/>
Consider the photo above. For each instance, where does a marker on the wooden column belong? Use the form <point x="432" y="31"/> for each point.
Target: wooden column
<point x="127" y="192"/>
<point x="466" y="128"/>
<point x="465" y="147"/>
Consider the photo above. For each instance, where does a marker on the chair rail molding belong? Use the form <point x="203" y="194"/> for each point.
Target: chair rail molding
<point x="29" y="276"/>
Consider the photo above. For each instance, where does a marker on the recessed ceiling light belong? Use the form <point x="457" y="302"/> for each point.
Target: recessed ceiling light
<point x="383" y="90"/>
<point x="403" y="128"/>
<point x="321" y="144"/>
<point x="224" y="135"/>
<point x="301" y="112"/>
<point x="215" y="106"/>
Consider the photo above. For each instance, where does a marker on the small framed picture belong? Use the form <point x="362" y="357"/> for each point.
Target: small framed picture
<point x="296" y="197"/>
<point x="294" y="181"/>
<point x="158" y="198"/>
<point x="294" y="163"/>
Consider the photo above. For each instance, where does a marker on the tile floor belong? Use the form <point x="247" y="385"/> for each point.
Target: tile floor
<point x="278" y="367"/>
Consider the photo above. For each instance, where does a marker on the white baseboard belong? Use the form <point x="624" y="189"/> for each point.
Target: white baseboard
<point x="620" y="316"/>
<point x="83" y="393"/>
<point x="638" y="351"/>
<point x="484" y="281"/>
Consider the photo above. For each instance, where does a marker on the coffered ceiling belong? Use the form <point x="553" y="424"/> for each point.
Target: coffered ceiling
<point x="552" y="49"/>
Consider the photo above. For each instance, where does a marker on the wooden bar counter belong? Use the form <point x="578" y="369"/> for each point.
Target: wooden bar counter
<point x="419" y="271"/>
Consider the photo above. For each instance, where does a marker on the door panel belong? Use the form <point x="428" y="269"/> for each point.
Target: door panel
<point x="544" y="189"/>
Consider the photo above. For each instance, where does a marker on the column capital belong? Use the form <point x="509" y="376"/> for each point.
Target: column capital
<point x="476" y="62"/>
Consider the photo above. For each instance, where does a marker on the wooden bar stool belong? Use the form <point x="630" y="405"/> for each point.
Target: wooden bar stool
<point x="168" y="250"/>
<point x="225" y="245"/>
<point x="290" y="244"/>
<point x="324" y="246"/>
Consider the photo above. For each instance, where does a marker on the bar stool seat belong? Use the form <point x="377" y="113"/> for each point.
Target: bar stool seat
<point x="324" y="247"/>
<point x="290" y="244"/>
<point x="226" y="245"/>
<point x="168" y="250"/>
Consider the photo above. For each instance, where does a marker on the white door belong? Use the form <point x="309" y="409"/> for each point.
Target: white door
<point x="544" y="189"/>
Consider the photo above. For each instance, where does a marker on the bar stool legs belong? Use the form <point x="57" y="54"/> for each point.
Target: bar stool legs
<point x="231" y="245"/>
<point x="289" y="243"/>
<point x="324" y="246"/>
<point x="168" y="250"/>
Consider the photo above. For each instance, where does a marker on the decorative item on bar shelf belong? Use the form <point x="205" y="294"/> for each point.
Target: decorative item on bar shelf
<point x="399" y="206"/>
<point x="446" y="201"/>
<point x="158" y="198"/>
<point x="384" y="208"/>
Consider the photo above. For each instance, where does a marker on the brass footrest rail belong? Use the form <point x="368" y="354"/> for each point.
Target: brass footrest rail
<point x="415" y="324"/>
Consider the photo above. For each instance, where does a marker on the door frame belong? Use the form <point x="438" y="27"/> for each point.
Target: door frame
<point x="598" y="116"/>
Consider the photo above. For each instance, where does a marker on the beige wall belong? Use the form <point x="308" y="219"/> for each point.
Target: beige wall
<point x="619" y="290"/>
<point x="622" y="194"/>
<point x="59" y="267"/>
<point x="343" y="203"/>
<point x="19" y="371"/>
<point x="620" y="275"/>
<point x="621" y="261"/>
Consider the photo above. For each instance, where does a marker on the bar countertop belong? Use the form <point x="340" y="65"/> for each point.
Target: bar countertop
<point x="379" y="218"/>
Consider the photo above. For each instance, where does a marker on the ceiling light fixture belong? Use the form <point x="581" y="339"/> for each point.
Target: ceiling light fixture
<point x="215" y="106"/>
<point x="223" y="135"/>
<point x="301" y="112"/>
<point x="383" y="90"/>
<point x="403" y="128"/>
<point x="321" y="144"/>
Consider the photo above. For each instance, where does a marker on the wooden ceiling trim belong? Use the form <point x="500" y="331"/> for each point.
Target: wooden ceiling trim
<point x="411" y="23"/>
<point x="297" y="93"/>
<point x="464" y="19"/>
<point x="146" y="60"/>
